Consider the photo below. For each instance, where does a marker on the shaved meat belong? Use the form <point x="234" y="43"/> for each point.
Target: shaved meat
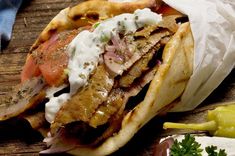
<point x="137" y="69"/>
<point x="25" y="96"/>
<point x="80" y="134"/>
<point x="115" y="119"/>
<point x="142" y="46"/>
<point x="112" y="105"/>
<point x="97" y="110"/>
<point x="143" y="64"/>
<point x="90" y="111"/>
<point x="139" y="85"/>
<point x="82" y="105"/>
<point x="168" y="22"/>
<point x="121" y="50"/>
<point x="117" y="100"/>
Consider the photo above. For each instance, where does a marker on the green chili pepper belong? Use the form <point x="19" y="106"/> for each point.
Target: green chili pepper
<point x="220" y="122"/>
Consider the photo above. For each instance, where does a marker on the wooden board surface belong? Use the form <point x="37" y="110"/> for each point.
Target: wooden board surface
<point x="17" y="139"/>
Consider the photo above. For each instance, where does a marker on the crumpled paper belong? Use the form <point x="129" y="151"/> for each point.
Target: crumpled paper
<point x="213" y="27"/>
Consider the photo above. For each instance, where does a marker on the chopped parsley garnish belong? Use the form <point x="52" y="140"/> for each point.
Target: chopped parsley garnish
<point x="190" y="147"/>
<point x="96" y="25"/>
<point x="211" y="150"/>
<point x="104" y="38"/>
<point x="187" y="147"/>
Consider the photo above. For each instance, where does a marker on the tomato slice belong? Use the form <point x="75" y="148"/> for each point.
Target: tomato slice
<point x="52" y="67"/>
<point x="30" y="69"/>
<point x="50" y="59"/>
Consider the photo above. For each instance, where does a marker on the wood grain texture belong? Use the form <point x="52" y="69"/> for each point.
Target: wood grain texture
<point x="16" y="138"/>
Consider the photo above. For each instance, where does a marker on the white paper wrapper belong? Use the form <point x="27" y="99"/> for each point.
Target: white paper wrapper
<point x="213" y="27"/>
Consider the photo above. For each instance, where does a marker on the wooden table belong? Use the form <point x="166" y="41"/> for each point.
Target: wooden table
<point x="17" y="139"/>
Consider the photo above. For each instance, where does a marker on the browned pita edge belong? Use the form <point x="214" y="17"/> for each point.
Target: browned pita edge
<point x="21" y="98"/>
<point x="167" y="85"/>
<point x="89" y="12"/>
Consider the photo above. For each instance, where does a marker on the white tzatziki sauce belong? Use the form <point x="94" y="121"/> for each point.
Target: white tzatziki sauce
<point x="85" y="50"/>
<point x="221" y="142"/>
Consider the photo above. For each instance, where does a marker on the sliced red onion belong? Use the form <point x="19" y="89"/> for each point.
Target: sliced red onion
<point x="163" y="148"/>
<point x="51" y="41"/>
<point x="110" y="48"/>
<point x="111" y="56"/>
<point x="116" y="41"/>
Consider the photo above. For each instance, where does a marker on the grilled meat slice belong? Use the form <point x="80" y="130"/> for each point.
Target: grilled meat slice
<point x="142" y="65"/>
<point x="97" y="106"/>
<point x="124" y="51"/>
<point x="81" y="134"/>
<point x="168" y="22"/>
<point x="137" y="69"/>
<point x="113" y="104"/>
<point x="118" y="98"/>
<point x="82" y="105"/>
<point x="139" y="47"/>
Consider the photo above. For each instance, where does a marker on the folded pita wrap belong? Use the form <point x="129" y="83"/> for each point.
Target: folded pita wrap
<point x="166" y="86"/>
<point x="171" y="78"/>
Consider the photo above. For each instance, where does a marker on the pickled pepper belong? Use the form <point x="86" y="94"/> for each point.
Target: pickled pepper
<point x="220" y="122"/>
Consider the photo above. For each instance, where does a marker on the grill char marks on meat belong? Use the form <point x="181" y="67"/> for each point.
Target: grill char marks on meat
<point x="137" y="69"/>
<point x="109" y="121"/>
<point x="125" y="50"/>
<point x="114" y="115"/>
<point x="149" y="40"/>
<point x="118" y="96"/>
<point x="145" y="38"/>
<point x="139" y="47"/>
<point x="169" y="23"/>
<point x="112" y="105"/>
<point x="82" y="105"/>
